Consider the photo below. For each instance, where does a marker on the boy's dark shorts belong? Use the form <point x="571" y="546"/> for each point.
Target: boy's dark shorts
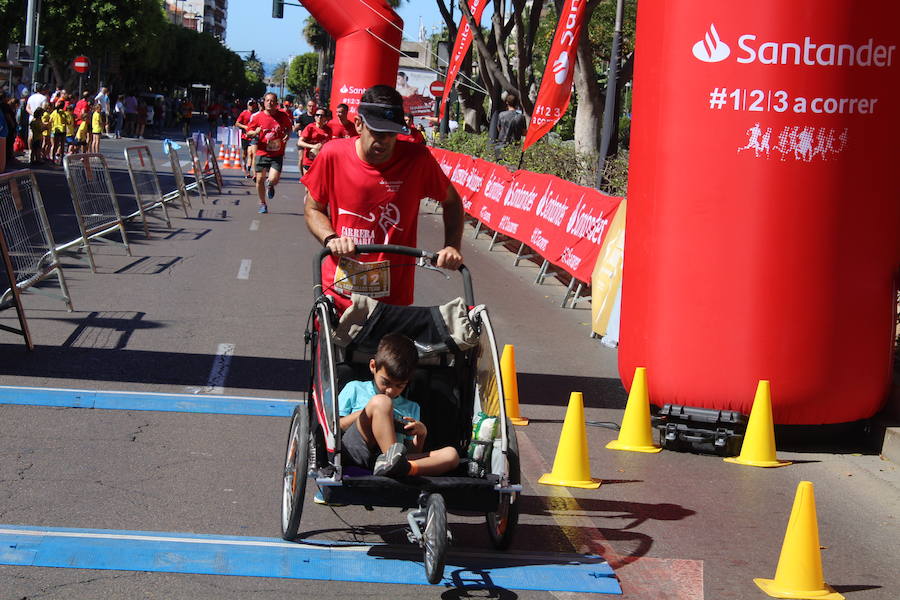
<point x="355" y="451"/>
<point x="268" y="162"/>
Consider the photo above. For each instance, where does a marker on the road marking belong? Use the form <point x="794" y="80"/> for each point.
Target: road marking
<point x="642" y="578"/>
<point x="219" y="372"/>
<point x="254" y="225"/>
<point x="244" y="271"/>
<point x="311" y="559"/>
<point x="113" y="400"/>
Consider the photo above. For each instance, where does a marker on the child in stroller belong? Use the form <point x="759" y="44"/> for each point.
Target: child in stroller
<point x="374" y="414"/>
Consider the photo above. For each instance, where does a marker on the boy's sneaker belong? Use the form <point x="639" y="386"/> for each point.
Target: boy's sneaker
<point x="392" y="463"/>
<point x="319" y="499"/>
<point x="263" y="209"/>
<point x="270" y="190"/>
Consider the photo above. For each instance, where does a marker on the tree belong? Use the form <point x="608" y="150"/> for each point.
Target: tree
<point x="301" y="78"/>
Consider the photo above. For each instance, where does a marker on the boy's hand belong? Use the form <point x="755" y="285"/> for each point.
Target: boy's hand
<point x="413" y="427"/>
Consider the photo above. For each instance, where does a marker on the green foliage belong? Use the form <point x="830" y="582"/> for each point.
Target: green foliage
<point x="550" y="156"/>
<point x="302" y="72"/>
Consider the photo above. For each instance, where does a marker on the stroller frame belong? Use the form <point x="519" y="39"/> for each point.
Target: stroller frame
<point x="455" y="383"/>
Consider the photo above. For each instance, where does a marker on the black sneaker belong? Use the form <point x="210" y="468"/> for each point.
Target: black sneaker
<point x="392" y="463"/>
<point x="270" y="190"/>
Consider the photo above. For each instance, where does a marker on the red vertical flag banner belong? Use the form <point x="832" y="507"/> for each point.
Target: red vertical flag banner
<point x="556" y="86"/>
<point x="461" y="48"/>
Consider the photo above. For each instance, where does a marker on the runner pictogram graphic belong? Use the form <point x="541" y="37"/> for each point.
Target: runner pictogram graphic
<point x="798" y="142"/>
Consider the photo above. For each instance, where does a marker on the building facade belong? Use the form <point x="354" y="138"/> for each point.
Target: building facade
<point x="210" y="16"/>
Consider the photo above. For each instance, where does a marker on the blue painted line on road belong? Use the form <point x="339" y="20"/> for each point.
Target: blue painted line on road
<point x="189" y="403"/>
<point x="271" y="557"/>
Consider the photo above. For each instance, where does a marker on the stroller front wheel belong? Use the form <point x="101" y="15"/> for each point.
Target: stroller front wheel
<point x="296" y="468"/>
<point x="435" y="538"/>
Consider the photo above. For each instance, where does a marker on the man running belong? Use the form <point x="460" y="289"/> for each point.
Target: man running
<point x="366" y="190"/>
<point x="341" y="126"/>
<point x="312" y="138"/>
<point x="248" y="144"/>
<point x="271" y="128"/>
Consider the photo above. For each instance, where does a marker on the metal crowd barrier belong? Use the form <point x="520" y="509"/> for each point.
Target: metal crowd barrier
<point x="26" y="244"/>
<point x="198" y="167"/>
<point x="145" y="181"/>
<point x="94" y="198"/>
<point x="211" y="165"/>
<point x="182" y="190"/>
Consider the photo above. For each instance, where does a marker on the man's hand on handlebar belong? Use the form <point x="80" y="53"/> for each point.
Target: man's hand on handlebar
<point x="341" y="246"/>
<point x="449" y="258"/>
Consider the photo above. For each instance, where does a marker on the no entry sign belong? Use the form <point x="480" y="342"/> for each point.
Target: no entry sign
<point x="81" y="64"/>
<point x="436" y="88"/>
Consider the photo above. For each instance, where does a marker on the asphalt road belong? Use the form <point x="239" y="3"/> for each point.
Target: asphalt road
<point x="672" y="525"/>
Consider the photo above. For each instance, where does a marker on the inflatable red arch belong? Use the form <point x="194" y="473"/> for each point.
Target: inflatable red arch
<point x="367" y="37"/>
<point x="763" y="231"/>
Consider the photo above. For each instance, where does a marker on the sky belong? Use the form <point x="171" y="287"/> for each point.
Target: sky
<point x="251" y="27"/>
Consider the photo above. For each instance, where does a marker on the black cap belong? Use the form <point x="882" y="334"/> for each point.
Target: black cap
<point x="383" y="118"/>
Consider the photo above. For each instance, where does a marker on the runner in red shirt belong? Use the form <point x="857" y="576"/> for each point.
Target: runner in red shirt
<point x="366" y="190"/>
<point x="271" y="128"/>
<point x="248" y="144"/>
<point x="312" y="138"/>
<point x="414" y="135"/>
<point x="341" y="127"/>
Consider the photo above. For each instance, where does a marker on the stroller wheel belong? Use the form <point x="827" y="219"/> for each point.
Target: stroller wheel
<point x="435" y="538"/>
<point x="296" y="468"/>
<point x="502" y="524"/>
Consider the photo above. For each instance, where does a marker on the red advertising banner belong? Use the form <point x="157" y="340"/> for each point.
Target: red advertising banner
<point x="762" y="233"/>
<point x="461" y="48"/>
<point x="556" y="86"/>
<point x="563" y="222"/>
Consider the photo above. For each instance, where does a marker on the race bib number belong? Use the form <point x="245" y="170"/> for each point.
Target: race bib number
<point x="371" y="279"/>
<point x="273" y="145"/>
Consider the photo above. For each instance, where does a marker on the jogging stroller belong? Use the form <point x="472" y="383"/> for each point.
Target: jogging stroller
<point x="456" y="383"/>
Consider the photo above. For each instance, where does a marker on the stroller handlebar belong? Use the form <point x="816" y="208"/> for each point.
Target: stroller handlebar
<point x="431" y="257"/>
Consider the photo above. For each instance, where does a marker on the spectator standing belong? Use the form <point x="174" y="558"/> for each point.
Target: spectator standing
<point x="341" y="126"/>
<point x="187" y="111"/>
<point x="271" y="127"/>
<point x="119" y="116"/>
<point x="98" y="126"/>
<point x="248" y="144"/>
<point x="6" y="131"/>
<point x="36" y="100"/>
<point x="141" y="121"/>
<point x="510" y="125"/>
<point x="131" y="105"/>
<point x="312" y="138"/>
<point x="83" y="106"/>
<point x="36" y="138"/>
<point x="103" y="98"/>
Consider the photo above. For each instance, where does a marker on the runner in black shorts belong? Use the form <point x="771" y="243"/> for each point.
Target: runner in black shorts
<point x="271" y="128"/>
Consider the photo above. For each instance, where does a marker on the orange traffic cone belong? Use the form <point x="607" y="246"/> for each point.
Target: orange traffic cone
<point x="510" y="385"/>
<point x="636" y="433"/>
<point x="572" y="465"/>
<point x="799" y="571"/>
<point x="235" y="158"/>
<point x="221" y="157"/>
<point x="758" y="449"/>
<point x="227" y="160"/>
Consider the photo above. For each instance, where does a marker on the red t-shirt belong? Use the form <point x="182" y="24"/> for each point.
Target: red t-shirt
<point x="374" y="204"/>
<point x="81" y="106"/>
<point x="338" y="130"/>
<point x="244" y="119"/>
<point x="312" y="134"/>
<point x="275" y="128"/>
<point x="414" y="136"/>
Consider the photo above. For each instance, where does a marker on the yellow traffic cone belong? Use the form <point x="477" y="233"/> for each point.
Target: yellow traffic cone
<point x="572" y="466"/>
<point x="636" y="434"/>
<point x="799" y="571"/>
<point x="510" y="385"/>
<point x="758" y="449"/>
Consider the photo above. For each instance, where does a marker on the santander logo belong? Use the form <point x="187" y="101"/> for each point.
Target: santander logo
<point x="711" y="48"/>
<point x="561" y="68"/>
